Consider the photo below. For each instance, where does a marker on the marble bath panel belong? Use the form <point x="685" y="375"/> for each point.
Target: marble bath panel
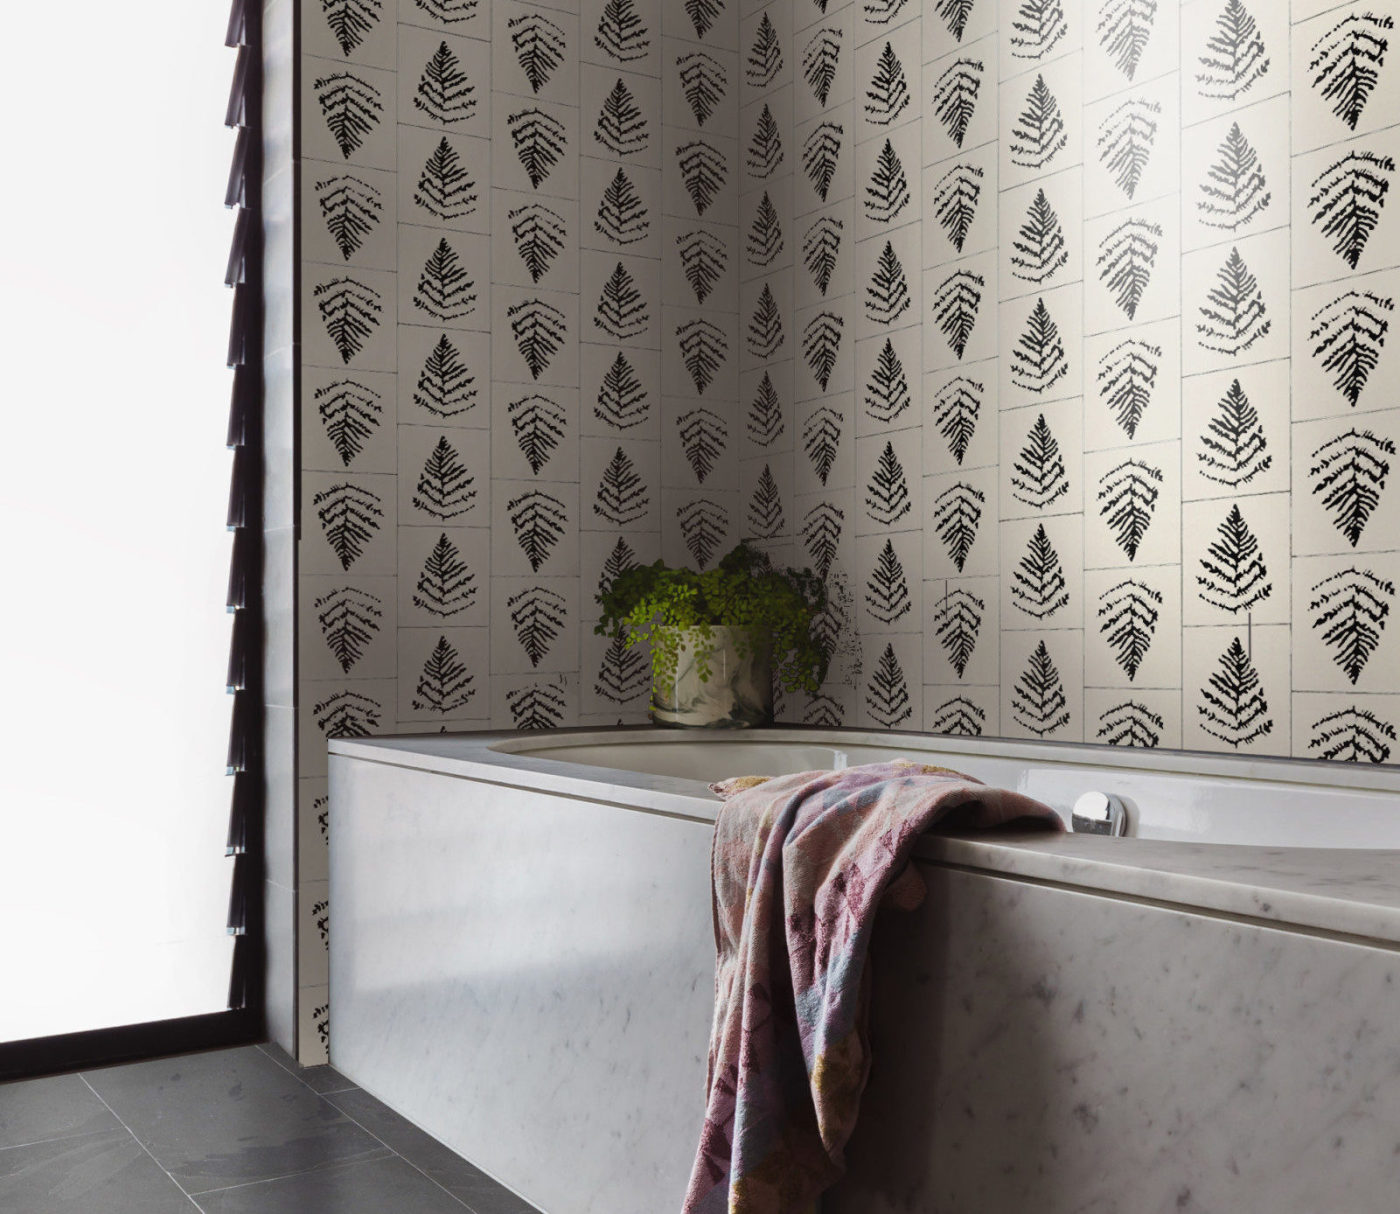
<point x="1057" y="1051"/>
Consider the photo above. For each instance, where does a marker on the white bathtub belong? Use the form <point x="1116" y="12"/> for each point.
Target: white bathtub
<point x="521" y="961"/>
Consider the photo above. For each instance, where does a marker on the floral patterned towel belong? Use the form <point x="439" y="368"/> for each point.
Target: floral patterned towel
<point x="801" y="863"/>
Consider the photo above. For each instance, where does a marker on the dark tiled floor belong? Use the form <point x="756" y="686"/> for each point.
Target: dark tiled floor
<point x="239" y="1131"/>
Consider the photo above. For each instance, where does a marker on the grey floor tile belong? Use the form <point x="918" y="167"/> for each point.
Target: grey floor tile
<point x="373" y="1187"/>
<point x="32" y="1110"/>
<point x="228" y="1117"/>
<point x="445" y="1166"/>
<point x="102" y="1173"/>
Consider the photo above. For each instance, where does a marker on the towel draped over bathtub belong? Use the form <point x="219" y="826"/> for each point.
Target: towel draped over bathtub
<point x="800" y="865"/>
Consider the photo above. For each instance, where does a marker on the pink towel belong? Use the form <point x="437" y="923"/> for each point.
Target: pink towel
<point x="801" y="863"/>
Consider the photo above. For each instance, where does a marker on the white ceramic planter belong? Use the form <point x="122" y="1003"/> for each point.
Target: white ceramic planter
<point x="738" y="693"/>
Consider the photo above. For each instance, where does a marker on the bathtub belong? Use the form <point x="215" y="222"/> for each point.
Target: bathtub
<point x="1197" y="1016"/>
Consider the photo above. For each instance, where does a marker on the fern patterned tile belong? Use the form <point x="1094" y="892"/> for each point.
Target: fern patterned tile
<point x="960" y="423"/>
<point x="954" y="710"/>
<point x="961" y="532"/>
<point x="535" y="51"/>
<point x="535" y="147"/>
<point x="444" y="675"/>
<point x="1235" y="303"/>
<point x="1235" y="427"/>
<point x="1236" y="561"/>
<point x="1133" y="146"/>
<point x="1138" y="718"/>
<point x="1043" y="339"/>
<point x="536" y="241"/>
<point x="700" y="353"/>
<point x="358" y="31"/>
<point x="825" y="438"/>
<point x="766" y="491"/>
<point x="444" y="576"/>
<point x="960" y="206"/>
<point x="348" y="420"/>
<point x="1042" y="686"/>
<point x="1342" y="361"/>
<point x="534" y="529"/>
<point x="620" y="208"/>
<point x="1132" y="506"/>
<point x="1043" y="118"/>
<point x="1042" y="573"/>
<point x="313" y="830"/>
<point x="697" y="445"/>
<point x="1235" y="174"/>
<point x="889" y="84"/>
<point x="348" y="317"/>
<point x="888" y="183"/>
<point x="465" y="18"/>
<point x="1129" y="42"/>
<point x="1042" y="234"/>
<point x="1132" y="628"/>
<point x="1342" y="82"/>
<point x="697" y="526"/>
<point x="342" y="708"/>
<point x="534" y="432"/>
<point x="313" y="932"/>
<point x="766" y="315"/>
<point x="620" y="392"/>
<point x="1346" y="728"/>
<point x="1042" y="462"/>
<point x="889" y="483"/>
<point x="347" y="627"/>
<point x="1233" y="52"/>
<point x="444" y="82"/>
<point x="1346" y="499"/>
<point x="1342" y="609"/>
<point x="535" y="336"/>
<point x="891" y="18"/>
<point x="348" y="113"/>
<point x="1135" y="273"/>
<point x="824" y="244"/>
<point x="962" y="641"/>
<point x="1235" y="689"/>
<point x="713" y="24"/>
<point x="766" y="51"/>
<point x="825" y="337"/>
<point x="535" y="625"/>
<point x="1038" y="32"/>
<point x="313" y="1024"/>
<point x="766" y="422"/>
<point x="960" y="100"/>
<point x="445" y="278"/>
<point x="768" y="141"/>
<point x="700" y="175"/>
<point x="824" y="64"/>
<point x="890" y="586"/>
<point x="890" y="692"/>
<point x="444" y="180"/>
<point x="621" y="33"/>
<point x="825" y="528"/>
<point x="348" y="522"/>
<point x="620" y="297"/>
<point x="614" y="679"/>
<point x="766" y="235"/>
<point x="547" y="701"/>
<point x="605" y="554"/>
<point x="960" y="314"/>
<point x="1133" y="387"/>
<point x="444" y="377"/>
<point x="699" y="86"/>
<point x="620" y="485"/>
<point x="444" y="477"/>
<point x="889" y="373"/>
<point x="620" y="116"/>
<point x="355" y="216"/>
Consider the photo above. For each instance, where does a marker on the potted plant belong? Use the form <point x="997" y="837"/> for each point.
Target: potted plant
<point x="716" y="637"/>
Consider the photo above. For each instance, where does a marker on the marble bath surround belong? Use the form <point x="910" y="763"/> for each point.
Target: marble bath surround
<point x="1199" y="1017"/>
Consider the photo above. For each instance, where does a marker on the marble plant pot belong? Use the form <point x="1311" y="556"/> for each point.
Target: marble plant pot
<point x="738" y="693"/>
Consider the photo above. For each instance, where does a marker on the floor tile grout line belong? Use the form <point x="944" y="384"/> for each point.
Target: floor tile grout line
<point x="139" y="1143"/>
<point x="327" y="1166"/>
<point x="38" y="1142"/>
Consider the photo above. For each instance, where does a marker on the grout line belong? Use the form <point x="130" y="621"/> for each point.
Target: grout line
<point x="138" y="1141"/>
<point x="35" y="1142"/>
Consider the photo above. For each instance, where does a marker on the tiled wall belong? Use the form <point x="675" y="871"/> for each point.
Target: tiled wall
<point x="1052" y="331"/>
